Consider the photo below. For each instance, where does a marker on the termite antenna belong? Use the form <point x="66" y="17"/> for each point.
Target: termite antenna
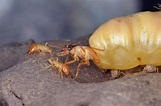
<point x="53" y="46"/>
<point x="46" y="60"/>
<point x="47" y="44"/>
<point x="48" y="66"/>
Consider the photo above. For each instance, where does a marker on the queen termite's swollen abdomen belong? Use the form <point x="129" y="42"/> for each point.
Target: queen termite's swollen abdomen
<point x="129" y="41"/>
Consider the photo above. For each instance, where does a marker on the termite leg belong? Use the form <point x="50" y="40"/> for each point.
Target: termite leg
<point x="76" y="58"/>
<point x="116" y="73"/>
<point x="48" y="66"/>
<point x="47" y="44"/>
<point x="79" y="65"/>
<point x="70" y="62"/>
<point x="157" y="71"/>
<point x="60" y="73"/>
<point x="66" y="58"/>
<point x="104" y="73"/>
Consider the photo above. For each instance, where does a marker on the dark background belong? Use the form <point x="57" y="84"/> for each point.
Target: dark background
<point x="148" y="5"/>
<point x="42" y="20"/>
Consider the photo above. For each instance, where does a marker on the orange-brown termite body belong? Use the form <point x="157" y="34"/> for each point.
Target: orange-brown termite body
<point x="129" y="41"/>
<point x="39" y="48"/>
<point x="78" y="52"/>
<point x="62" y="67"/>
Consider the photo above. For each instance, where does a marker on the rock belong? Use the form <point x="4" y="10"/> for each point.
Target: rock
<point x="27" y="82"/>
<point x="3" y="102"/>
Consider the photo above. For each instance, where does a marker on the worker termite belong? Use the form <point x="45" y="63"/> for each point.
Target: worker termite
<point x="78" y="52"/>
<point x="62" y="67"/>
<point x="150" y="69"/>
<point x="129" y="41"/>
<point x="115" y="74"/>
<point x="39" y="48"/>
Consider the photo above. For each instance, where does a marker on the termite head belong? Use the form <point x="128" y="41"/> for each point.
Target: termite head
<point x="32" y="49"/>
<point x="66" y="50"/>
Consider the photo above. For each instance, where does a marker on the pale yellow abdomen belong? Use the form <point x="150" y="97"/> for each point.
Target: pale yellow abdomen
<point x="129" y="41"/>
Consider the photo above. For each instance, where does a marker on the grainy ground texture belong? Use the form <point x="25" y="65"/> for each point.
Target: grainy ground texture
<point x="25" y="81"/>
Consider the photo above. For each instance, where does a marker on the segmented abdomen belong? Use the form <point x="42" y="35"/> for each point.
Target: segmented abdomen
<point x="129" y="41"/>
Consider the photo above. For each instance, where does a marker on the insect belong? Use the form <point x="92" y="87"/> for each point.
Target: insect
<point x="78" y="52"/>
<point x="39" y="48"/>
<point x="150" y="69"/>
<point x="129" y="41"/>
<point x="62" y="67"/>
<point x="115" y="74"/>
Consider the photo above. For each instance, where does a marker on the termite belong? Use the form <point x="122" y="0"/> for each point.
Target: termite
<point x="129" y="41"/>
<point x="39" y="48"/>
<point x="78" y="52"/>
<point x="115" y="74"/>
<point x="139" y="70"/>
<point x="62" y="67"/>
<point x="150" y="69"/>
